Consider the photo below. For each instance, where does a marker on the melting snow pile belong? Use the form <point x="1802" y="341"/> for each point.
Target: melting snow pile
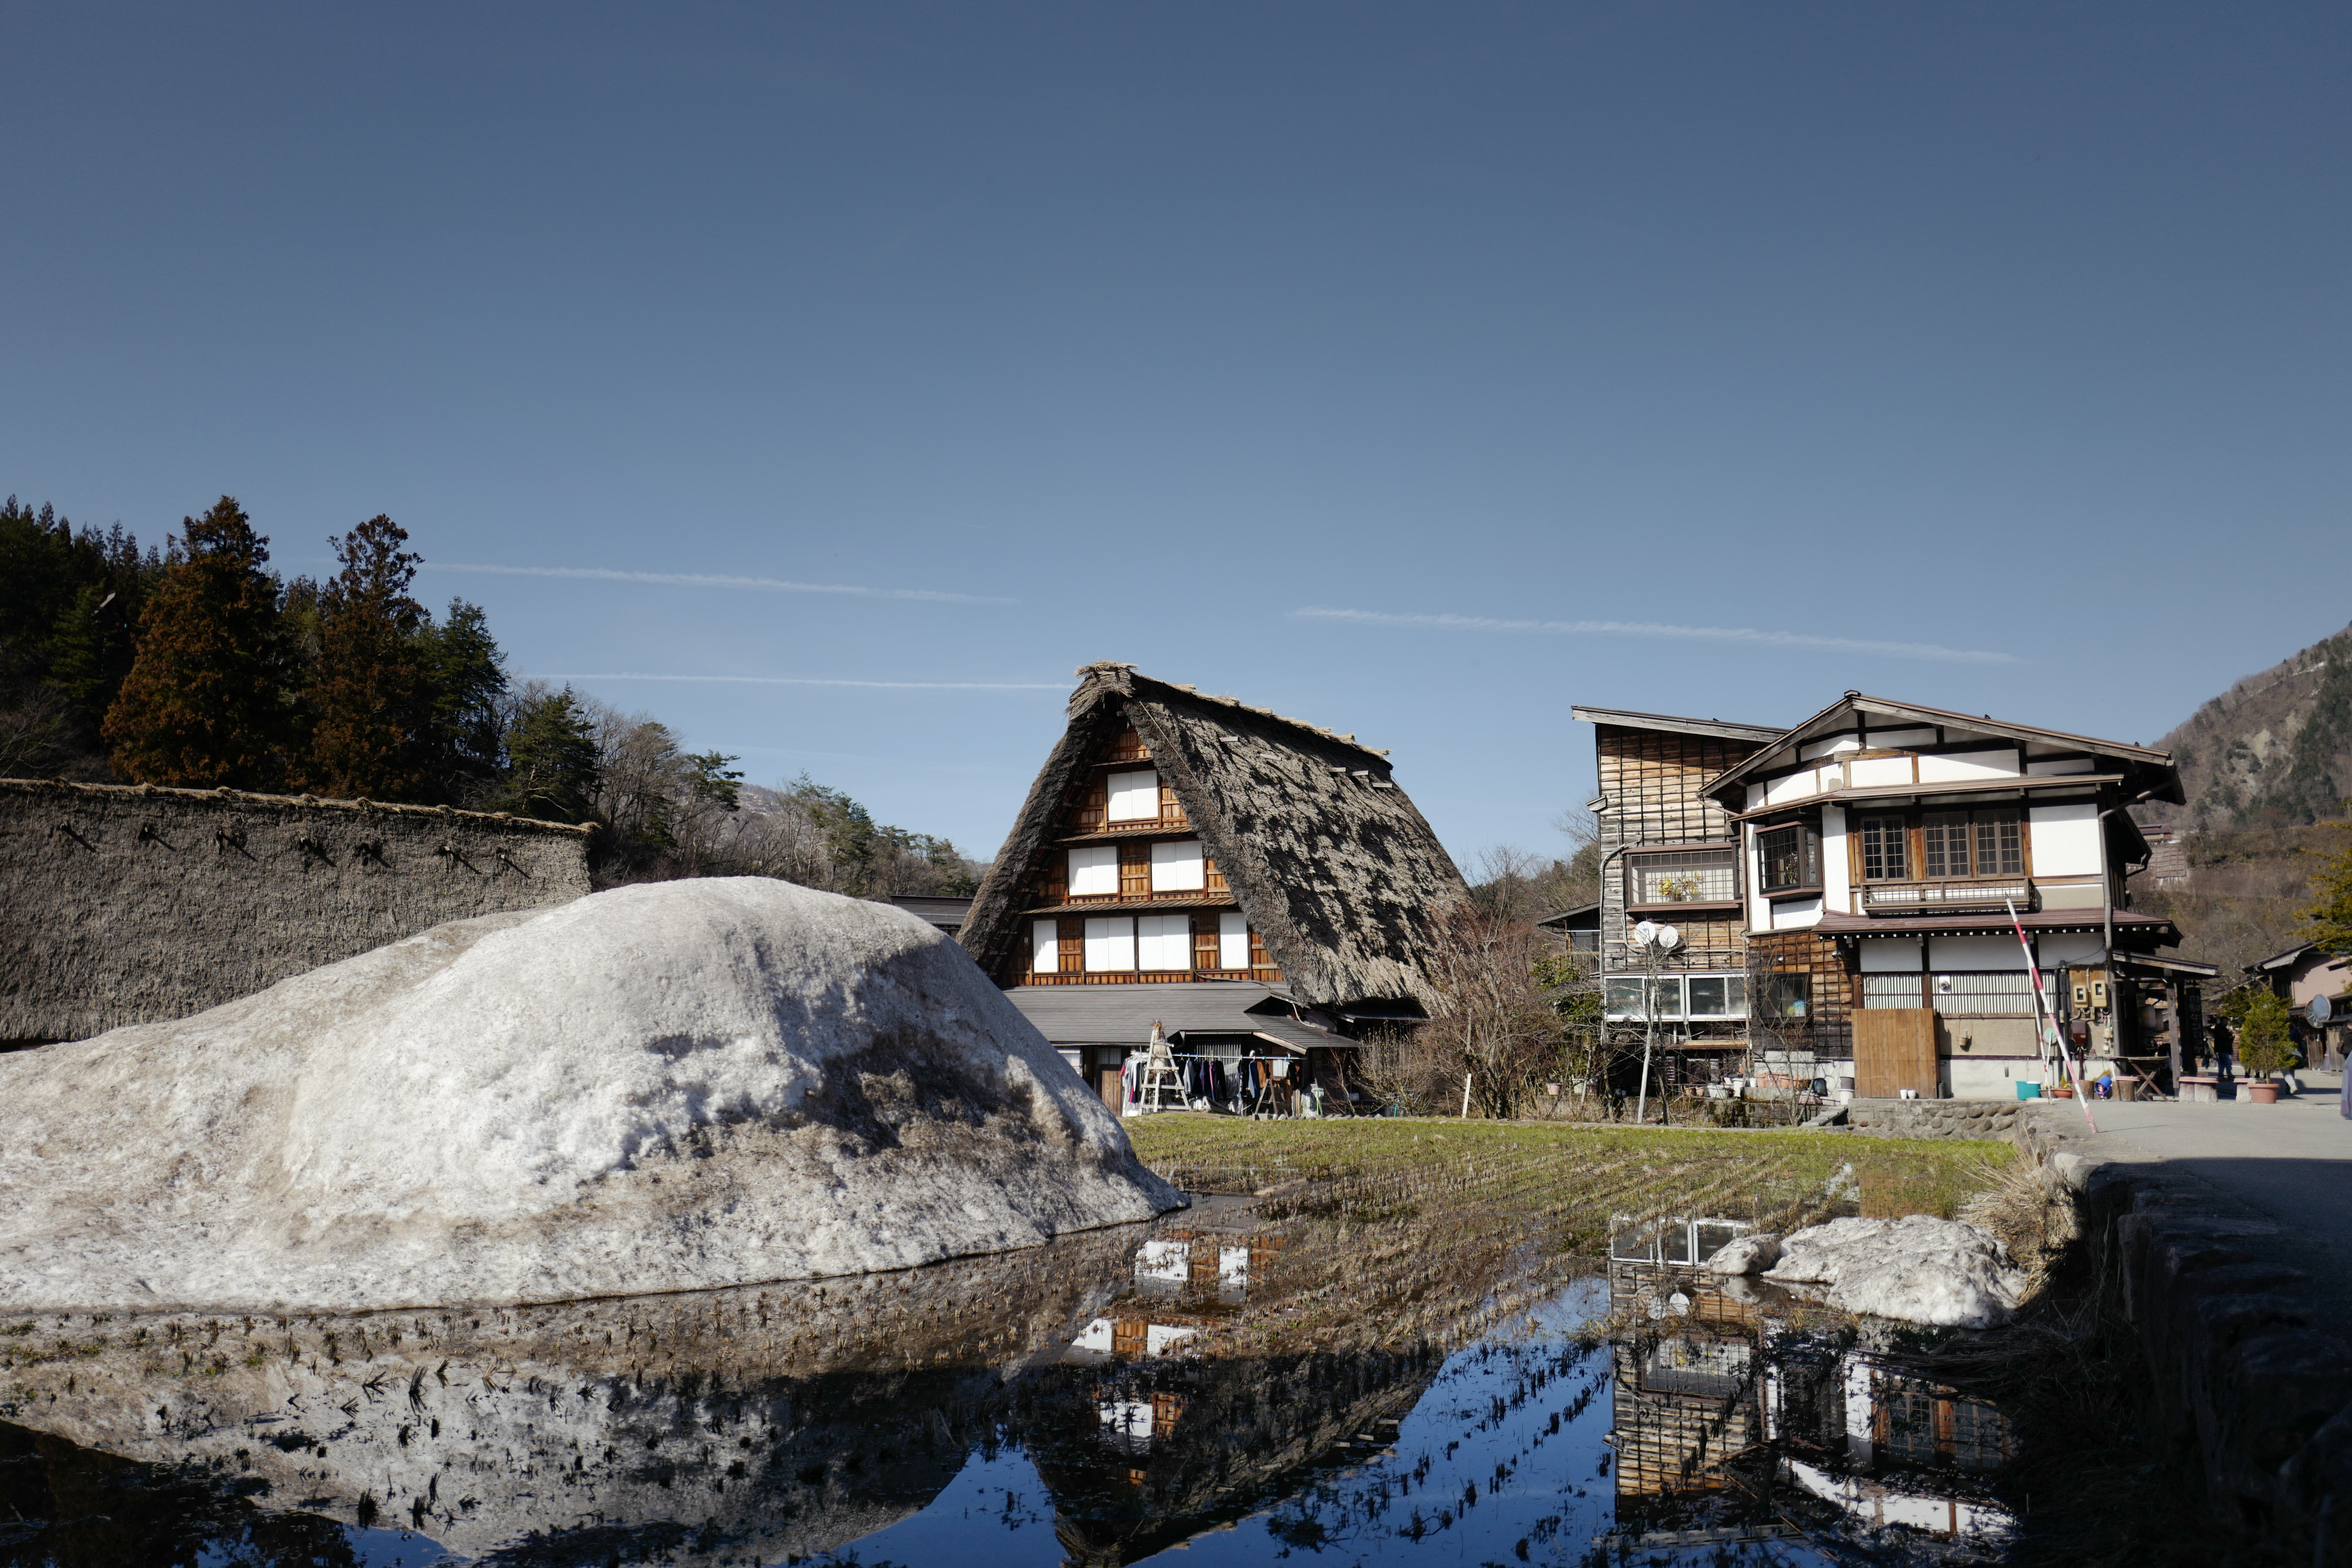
<point x="1919" y="1269"/>
<point x="664" y="1088"/>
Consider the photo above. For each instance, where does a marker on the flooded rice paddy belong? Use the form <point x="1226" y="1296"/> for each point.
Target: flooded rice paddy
<point x="1467" y="1349"/>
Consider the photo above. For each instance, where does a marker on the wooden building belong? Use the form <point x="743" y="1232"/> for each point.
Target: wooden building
<point x="1257" y="884"/>
<point x="1670" y="855"/>
<point x="1882" y="845"/>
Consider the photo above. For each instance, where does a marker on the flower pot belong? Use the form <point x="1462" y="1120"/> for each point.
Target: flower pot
<point x="2262" y="1093"/>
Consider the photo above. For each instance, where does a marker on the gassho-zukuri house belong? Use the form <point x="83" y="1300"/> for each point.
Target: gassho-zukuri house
<point x="1846" y="885"/>
<point x="1257" y="886"/>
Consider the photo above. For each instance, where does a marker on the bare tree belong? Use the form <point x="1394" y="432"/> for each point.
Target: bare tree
<point x="1495" y="1025"/>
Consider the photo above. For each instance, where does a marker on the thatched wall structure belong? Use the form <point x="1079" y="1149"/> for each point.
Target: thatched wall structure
<point x="1332" y="862"/>
<point x="127" y="904"/>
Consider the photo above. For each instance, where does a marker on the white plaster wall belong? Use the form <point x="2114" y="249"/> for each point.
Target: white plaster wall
<point x="1796" y="914"/>
<point x="1796" y="786"/>
<point x="1996" y="1078"/>
<point x="1759" y="907"/>
<point x="2069" y="947"/>
<point x="1837" y="891"/>
<point x="1996" y="763"/>
<point x="2065" y="840"/>
<point x="1891" y="955"/>
<point x="1879" y="738"/>
<point x="1865" y="772"/>
<point x="1949" y="952"/>
<point x="1830" y="747"/>
<point x="2058" y="767"/>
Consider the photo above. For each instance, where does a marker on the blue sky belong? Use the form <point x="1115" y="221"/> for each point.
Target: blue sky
<point x="1417" y="370"/>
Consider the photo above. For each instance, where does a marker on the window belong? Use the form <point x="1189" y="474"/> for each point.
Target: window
<point x="1178" y="866"/>
<point x="1656" y="878"/>
<point x="1164" y="942"/>
<point x="1044" y="946"/>
<point x="1954" y="846"/>
<point x="1885" y="849"/>
<point x="1791" y="857"/>
<point x="1695" y="997"/>
<point x="1718" y="996"/>
<point x="1135" y="797"/>
<point x="1788" y="998"/>
<point x="1233" y="941"/>
<point x="1110" y="945"/>
<point x="1094" y="871"/>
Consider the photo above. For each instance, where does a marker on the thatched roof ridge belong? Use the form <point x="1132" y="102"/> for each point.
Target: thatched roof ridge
<point x="64" y="789"/>
<point x="1333" y="865"/>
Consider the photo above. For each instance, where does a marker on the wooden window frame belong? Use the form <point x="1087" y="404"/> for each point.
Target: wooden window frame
<point x="1914" y="823"/>
<point x="1729" y="849"/>
<point x="1809" y="881"/>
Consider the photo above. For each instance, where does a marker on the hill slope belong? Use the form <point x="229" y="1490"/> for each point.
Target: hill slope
<point x="2276" y="750"/>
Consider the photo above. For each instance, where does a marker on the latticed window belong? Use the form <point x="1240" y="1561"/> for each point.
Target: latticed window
<point x="1790" y="857"/>
<point x="1974" y="843"/>
<point x="1682" y="877"/>
<point x="1885" y="849"/>
<point x="2001" y="844"/>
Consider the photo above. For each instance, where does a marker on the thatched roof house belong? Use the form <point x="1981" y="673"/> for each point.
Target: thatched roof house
<point x="1177" y="838"/>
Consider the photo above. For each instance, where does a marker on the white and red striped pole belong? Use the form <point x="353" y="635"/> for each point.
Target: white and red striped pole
<point x="2047" y="1015"/>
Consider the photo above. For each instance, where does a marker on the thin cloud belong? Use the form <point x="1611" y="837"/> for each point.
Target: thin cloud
<point x="1809" y="641"/>
<point x="714" y="580"/>
<point x="814" y="680"/>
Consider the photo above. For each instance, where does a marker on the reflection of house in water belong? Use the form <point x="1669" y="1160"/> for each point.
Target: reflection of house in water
<point x="1723" y="1409"/>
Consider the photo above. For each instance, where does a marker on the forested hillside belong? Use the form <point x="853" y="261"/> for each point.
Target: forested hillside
<point x="196" y="664"/>
<point x="2266" y="767"/>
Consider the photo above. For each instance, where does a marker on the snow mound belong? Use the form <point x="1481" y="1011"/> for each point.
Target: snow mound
<point x="1919" y="1269"/>
<point x="681" y="1086"/>
<point x="1746" y="1255"/>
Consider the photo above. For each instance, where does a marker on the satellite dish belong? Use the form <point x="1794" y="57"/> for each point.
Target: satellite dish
<point x="2319" y="1009"/>
<point x="1669" y="939"/>
<point x="1644" y="934"/>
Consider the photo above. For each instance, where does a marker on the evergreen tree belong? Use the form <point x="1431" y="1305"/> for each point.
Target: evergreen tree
<point x="206" y="702"/>
<point x="372" y="703"/>
<point x="551" y="771"/>
<point x="70" y="606"/>
<point x="469" y="679"/>
<point x="2327" y="921"/>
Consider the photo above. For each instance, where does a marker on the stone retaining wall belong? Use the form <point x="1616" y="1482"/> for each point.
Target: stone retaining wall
<point x="127" y="904"/>
<point x="2245" y="1350"/>
<point x="1992" y="1119"/>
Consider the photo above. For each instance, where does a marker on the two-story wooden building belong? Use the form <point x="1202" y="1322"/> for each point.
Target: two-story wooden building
<point x="1258" y="885"/>
<point x="1882" y="846"/>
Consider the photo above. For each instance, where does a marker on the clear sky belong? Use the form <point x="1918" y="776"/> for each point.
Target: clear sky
<point x="1416" y="371"/>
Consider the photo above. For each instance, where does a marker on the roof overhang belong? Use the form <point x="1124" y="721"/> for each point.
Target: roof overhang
<point x="2151" y="768"/>
<point x="2128" y="924"/>
<point x="1626" y="719"/>
<point x="1975" y="790"/>
<point x="2182" y="966"/>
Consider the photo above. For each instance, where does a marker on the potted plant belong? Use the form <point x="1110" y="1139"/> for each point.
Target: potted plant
<point x="2264" y="1045"/>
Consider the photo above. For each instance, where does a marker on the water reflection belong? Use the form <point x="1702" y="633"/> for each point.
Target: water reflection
<point x="1246" y="1387"/>
<point x="1738" y="1411"/>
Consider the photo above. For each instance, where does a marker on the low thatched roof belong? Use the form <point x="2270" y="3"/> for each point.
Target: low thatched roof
<point x="1330" y="861"/>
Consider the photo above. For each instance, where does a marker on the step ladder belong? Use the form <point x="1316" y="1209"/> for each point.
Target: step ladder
<point x="1159" y="1075"/>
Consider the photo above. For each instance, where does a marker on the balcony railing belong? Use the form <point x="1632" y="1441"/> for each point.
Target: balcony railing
<point x="1908" y="897"/>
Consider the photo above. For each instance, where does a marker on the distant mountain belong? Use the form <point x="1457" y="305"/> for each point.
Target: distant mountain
<point x="2276" y="750"/>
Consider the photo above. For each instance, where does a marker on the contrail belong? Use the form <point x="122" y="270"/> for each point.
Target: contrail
<point x="712" y="580"/>
<point x="1751" y="635"/>
<point x="813" y="680"/>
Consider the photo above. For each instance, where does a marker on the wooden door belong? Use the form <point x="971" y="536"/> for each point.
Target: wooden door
<point x="1894" y="1049"/>
<point x="1112" y="1087"/>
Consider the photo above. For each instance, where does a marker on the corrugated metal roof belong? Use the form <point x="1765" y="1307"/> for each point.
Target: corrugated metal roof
<point x="2127" y="922"/>
<point x="1627" y="719"/>
<point x="945" y="913"/>
<point x="1123" y="1014"/>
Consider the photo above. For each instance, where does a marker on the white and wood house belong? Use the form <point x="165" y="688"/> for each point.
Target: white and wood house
<point x="1881" y="845"/>
<point x="1258" y="885"/>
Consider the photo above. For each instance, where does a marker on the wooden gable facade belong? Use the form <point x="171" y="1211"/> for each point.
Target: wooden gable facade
<point x="1176" y="837"/>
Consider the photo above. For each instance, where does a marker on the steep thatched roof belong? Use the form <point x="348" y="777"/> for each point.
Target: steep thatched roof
<point x="1330" y="861"/>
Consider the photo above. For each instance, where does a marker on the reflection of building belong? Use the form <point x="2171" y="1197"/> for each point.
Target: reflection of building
<point x="1721" y="1409"/>
<point x="1184" y="853"/>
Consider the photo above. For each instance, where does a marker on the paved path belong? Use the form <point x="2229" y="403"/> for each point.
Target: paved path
<point x="2292" y="1161"/>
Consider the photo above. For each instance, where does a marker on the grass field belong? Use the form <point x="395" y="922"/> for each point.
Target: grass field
<point x="1581" y="1174"/>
